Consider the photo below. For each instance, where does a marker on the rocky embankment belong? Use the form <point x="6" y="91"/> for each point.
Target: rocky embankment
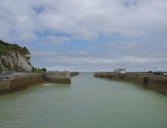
<point x="149" y="81"/>
<point x="14" y="58"/>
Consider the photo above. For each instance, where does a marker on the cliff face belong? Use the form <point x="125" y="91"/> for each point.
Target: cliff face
<point x="14" y="58"/>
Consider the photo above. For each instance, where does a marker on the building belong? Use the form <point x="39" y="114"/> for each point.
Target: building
<point x="120" y="70"/>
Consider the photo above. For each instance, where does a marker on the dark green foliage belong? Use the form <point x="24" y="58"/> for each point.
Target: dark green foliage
<point x="6" y="48"/>
<point x="44" y="69"/>
<point x="29" y="63"/>
<point x="6" y="64"/>
<point x="18" y="69"/>
<point x="3" y="61"/>
<point x="1" y="70"/>
<point x="39" y="70"/>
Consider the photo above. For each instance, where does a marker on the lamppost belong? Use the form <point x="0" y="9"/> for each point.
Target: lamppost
<point x="155" y="67"/>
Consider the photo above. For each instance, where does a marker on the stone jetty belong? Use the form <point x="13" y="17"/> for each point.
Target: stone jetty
<point x="146" y="80"/>
<point x="16" y="81"/>
<point x="74" y="74"/>
<point x="58" y="77"/>
<point x="19" y="81"/>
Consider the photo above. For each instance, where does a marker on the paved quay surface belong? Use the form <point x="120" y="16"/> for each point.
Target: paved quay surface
<point x="12" y="75"/>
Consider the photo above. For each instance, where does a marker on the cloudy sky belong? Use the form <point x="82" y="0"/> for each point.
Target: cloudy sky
<point x="88" y="35"/>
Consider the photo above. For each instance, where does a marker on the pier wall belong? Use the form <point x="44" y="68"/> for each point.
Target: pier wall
<point x="24" y="80"/>
<point x="58" y="77"/>
<point x="4" y="86"/>
<point x="154" y="82"/>
<point x="19" y="82"/>
<point x="74" y="74"/>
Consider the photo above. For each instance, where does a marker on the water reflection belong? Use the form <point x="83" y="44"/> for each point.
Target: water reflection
<point x="87" y="103"/>
<point x="52" y="85"/>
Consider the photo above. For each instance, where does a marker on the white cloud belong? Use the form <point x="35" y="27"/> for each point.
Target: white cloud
<point x="84" y="19"/>
<point x="52" y="40"/>
<point x="89" y="20"/>
<point x="95" y="62"/>
<point x="99" y="60"/>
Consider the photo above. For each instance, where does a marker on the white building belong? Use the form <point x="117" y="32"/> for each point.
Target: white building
<point x="120" y="70"/>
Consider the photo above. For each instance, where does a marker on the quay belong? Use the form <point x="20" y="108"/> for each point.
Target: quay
<point x="156" y="82"/>
<point x="13" y="81"/>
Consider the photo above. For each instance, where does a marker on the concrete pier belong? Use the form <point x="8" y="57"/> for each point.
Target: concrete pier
<point x="149" y="81"/>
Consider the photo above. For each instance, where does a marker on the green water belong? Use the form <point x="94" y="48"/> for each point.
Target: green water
<point x="88" y="103"/>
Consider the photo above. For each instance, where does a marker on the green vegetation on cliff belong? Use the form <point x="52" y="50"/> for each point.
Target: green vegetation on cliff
<point x="6" y="48"/>
<point x="1" y="70"/>
<point x="39" y="70"/>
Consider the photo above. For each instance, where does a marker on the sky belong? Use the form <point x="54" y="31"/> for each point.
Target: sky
<point x="88" y="35"/>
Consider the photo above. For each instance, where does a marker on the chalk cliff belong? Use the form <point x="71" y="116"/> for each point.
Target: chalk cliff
<point x="14" y="58"/>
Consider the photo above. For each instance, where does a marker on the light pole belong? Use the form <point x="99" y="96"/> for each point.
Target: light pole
<point x="155" y="67"/>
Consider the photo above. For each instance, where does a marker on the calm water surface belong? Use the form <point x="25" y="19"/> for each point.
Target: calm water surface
<point x="87" y="103"/>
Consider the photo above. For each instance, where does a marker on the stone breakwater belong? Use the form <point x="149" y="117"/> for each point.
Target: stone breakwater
<point x="149" y="81"/>
<point x="74" y="74"/>
<point x="58" y="77"/>
<point x="19" y="81"/>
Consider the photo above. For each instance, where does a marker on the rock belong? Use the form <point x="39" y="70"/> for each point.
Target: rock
<point x="14" y="58"/>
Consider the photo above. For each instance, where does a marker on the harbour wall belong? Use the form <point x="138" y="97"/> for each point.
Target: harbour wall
<point x="15" y="83"/>
<point x="74" y="74"/>
<point x="149" y="81"/>
<point x="19" y="81"/>
<point x="58" y="77"/>
<point x="26" y="81"/>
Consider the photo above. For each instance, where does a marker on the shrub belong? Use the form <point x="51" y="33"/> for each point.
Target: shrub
<point x="39" y="70"/>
